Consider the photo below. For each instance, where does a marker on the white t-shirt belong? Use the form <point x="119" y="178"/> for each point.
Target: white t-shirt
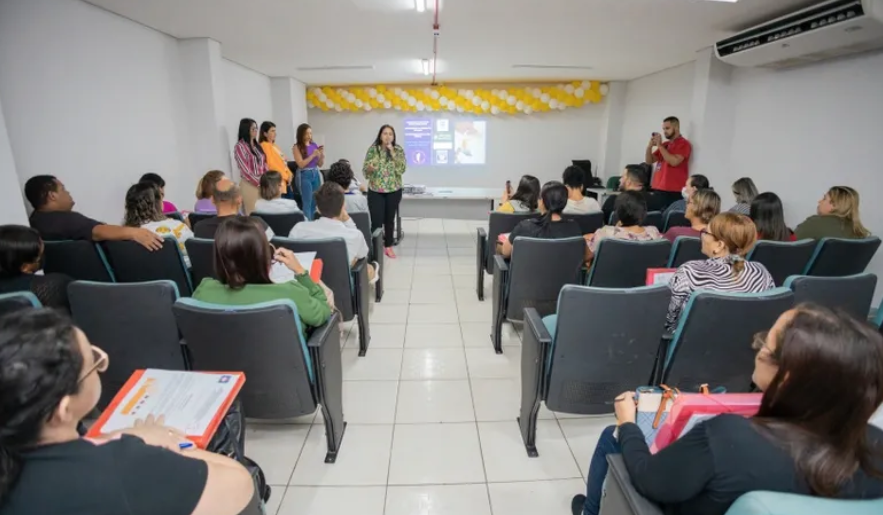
<point x="355" y="203"/>
<point x="277" y="205"/>
<point x="581" y="207"/>
<point x="179" y="230"/>
<point x="324" y="228"/>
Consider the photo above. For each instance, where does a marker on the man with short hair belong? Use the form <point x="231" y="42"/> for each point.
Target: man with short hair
<point x="633" y="179"/>
<point x="55" y="219"/>
<point x="672" y="160"/>
<point x="342" y="173"/>
<point x="577" y="203"/>
<point x="228" y="201"/>
<point x="335" y="222"/>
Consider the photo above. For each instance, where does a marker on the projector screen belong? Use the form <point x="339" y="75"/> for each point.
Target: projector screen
<point x="443" y="141"/>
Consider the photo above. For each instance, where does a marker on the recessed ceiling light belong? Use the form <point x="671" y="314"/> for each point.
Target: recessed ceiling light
<point x="420" y="5"/>
<point x="428" y="66"/>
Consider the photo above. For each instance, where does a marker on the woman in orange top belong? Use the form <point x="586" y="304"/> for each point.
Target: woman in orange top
<point x="276" y="160"/>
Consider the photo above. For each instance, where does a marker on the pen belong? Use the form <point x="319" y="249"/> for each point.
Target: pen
<point x="185" y="445"/>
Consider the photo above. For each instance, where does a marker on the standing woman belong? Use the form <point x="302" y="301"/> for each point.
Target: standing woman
<point x="384" y="165"/>
<point x="251" y="160"/>
<point x="276" y="160"/>
<point x="309" y="157"/>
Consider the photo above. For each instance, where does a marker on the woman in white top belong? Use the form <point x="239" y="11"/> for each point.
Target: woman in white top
<point x="577" y="203"/>
<point x="144" y="209"/>
<point x="271" y="200"/>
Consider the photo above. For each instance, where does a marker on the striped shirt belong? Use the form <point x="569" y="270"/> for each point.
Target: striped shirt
<point x="741" y="208"/>
<point x="251" y="164"/>
<point x="715" y="274"/>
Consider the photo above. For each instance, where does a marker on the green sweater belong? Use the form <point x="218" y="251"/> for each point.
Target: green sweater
<point x="312" y="306"/>
<point x="817" y="227"/>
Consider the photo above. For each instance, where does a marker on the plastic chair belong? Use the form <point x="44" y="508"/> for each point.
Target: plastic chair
<point x="486" y="243"/>
<point x="132" y="263"/>
<point x="12" y="302"/>
<point x="852" y="294"/>
<point x="281" y="223"/>
<point x="375" y="247"/>
<point x="782" y="258"/>
<point x="838" y="257"/>
<point x="588" y="222"/>
<point x="202" y="259"/>
<point x="80" y="260"/>
<point x="685" y="248"/>
<point x="195" y="218"/>
<point x="624" y="263"/>
<point x="676" y="219"/>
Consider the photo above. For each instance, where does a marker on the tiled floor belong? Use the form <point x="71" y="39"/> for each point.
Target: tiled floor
<point x="431" y="408"/>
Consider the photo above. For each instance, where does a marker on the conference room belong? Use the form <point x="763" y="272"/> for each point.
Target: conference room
<point x="441" y="256"/>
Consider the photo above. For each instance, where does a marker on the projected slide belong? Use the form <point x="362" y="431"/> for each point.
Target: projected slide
<point x="445" y="141"/>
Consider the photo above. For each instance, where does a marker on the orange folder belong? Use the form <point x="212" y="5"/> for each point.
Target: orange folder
<point x="316" y="270"/>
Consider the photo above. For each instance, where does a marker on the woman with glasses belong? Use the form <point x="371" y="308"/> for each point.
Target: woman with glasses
<point x="243" y="262"/>
<point x="810" y="436"/>
<point x="49" y="381"/>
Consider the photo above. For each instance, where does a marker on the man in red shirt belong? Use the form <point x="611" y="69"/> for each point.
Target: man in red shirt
<point x="671" y="160"/>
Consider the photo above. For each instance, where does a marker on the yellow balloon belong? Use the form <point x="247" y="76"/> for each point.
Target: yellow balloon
<point x="381" y="89"/>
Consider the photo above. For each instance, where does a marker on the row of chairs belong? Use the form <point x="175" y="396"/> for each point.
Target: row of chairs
<point x="281" y="223"/>
<point x="147" y="325"/>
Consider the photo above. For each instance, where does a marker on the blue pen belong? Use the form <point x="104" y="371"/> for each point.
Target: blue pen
<point x="185" y="445"/>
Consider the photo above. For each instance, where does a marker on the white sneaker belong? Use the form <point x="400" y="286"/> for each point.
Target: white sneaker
<point x="376" y="273"/>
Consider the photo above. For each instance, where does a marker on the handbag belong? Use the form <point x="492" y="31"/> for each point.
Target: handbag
<point x="654" y="405"/>
<point x="229" y="441"/>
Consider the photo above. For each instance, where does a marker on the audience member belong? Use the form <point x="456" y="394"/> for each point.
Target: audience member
<point x="21" y="257"/>
<point x="837" y="217"/>
<point x="632" y="179"/>
<point x="524" y="200"/>
<point x="769" y="217"/>
<point x="695" y="182"/>
<point x="159" y="182"/>
<point x="271" y="200"/>
<point x="243" y="258"/>
<point x="553" y="200"/>
<point x="810" y="437"/>
<point x="342" y="174"/>
<point x="355" y="185"/>
<point x="251" y="161"/>
<point x="55" y="220"/>
<point x="49" y="382"/>
<point x="228" y="202"/>
<point x="276" y="160"/>
<point x="309" y="157"/>
<point x="744" y="190"/>
<point x="726" y="241"/>
<point x="335" y="222"/>
<point x="577" y="203"/>
<point x="701" y="208"/>
<point x="204" y="192"/>
<point x="144" y="209"/>
<point x="631" y="210"/>
<point x="672" y="160"/>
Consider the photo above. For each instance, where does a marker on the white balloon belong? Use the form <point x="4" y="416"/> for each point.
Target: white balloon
<point x="420" y="106"/>
<point x="495" y="92"/>
<point x="460" y="109"/>
<point x="485" y="105"/>
<point x="537" y="93"/>
<point x="427" y="91"/>
<point x="528" y="110"/>
<point x="511" y="100"/>
<point x="579" y="92"/>
<point x="604" y="89"/>
<point x="452" y="106"/>
<point x="397" y="91"/>
<point x="367" y="107"/>
<point x="443" y="100"/>
<point x="387" y="104"/>
<point x="569" y="89"/>
<point x="519" y="105"/>
<point x="469" y="93"/>
<point x="398" y="107"/>
<point x="412" y="101"/>
<point x="358" y="103"/>
<point x="403" y="94"/>
<point x="350" y="97"/>
<point x="553" y="103"/>
<point x="503" y="94"/>
<point x="322" y="97"/>
<point x="476" y="101"/>
<point x="338" y="109"/>
<point x="381" y="98"/>
<point x="329" y="103"/>
<point x="316" y="91"/>
<point x="434" y="95"/>
<point x="372" y="92"/>
<point x="310" y="103"/>
<point x="545" y="98"/>
<point x="586" y="84"/>
<point x="495" y="110"/>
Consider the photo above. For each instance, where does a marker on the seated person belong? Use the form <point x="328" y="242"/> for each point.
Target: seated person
<point x="525" y="198"/>
<point x="798" y="443"/>
<point x="577" y="203"/>
<point x="335" y="222"/>
<point x="837" y="216"/>
<point x="744" y="190"/>
<point x="243" y="258"/>
<point x="633" y="178"/>
<point x="204" y="192"/>
<point x="227" y="200"/>
<point x="553" y="200"/>
<point x="167" y="207"/>
<point x="694" y="183"/>
<point x="55" y="220"/>
<point x="701" y="208"/>
<point x="271" y="200"/>
<point x="342" y="174"/>
<point x="49" y="382"/>
<point x="144" y="209"/>
<point x="726" y="241"/>
<point x="768" y="215"/>
<point x="21" y="256"/>
<point x="631" y="210"/>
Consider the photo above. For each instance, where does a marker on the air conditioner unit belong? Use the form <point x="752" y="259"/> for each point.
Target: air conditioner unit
<point x="829" y="29"/>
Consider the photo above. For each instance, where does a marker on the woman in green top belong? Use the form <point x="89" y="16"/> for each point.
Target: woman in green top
<point x="243" y="258"/>
<point x="837" y="217"/>
<point x="384" y="165"/>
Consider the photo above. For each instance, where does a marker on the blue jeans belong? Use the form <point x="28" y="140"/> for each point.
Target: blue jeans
<point x="607" y="444"/>
<point x="308" y="182"/>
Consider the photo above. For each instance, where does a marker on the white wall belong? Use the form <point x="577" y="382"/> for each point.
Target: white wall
<point x="12" y="209"/>
<point x="540" y="145"/>
<point x="247" y="94"/>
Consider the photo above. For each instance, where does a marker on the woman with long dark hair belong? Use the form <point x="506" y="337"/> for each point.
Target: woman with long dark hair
<point x="276" y="160"/>
<point x="384" y="166"/>
<point x="822" y="376"/>
<point x="525" y="199"/>
<point x="553" y="200"/>
<point x="251" y="160"/>
<point x="144" y="209"/>
<point x="309" y="157"/>
<point x="769" y="217"/>
<point x="21" y="257"/>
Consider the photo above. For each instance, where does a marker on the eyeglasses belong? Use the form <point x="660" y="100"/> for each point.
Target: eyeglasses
<point x="100" y="361"/>
<point x="706" y="231"/>
<point x="759" y="344"/>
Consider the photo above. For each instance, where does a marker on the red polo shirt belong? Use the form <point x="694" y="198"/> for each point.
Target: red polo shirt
<point x="673" y="178"/>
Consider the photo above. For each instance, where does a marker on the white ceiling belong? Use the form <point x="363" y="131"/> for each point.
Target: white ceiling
<point x="480" y="39"/>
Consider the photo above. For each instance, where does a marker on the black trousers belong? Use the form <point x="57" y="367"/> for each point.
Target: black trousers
<point x="383" y="208"/>
<point x="668" y="197"/>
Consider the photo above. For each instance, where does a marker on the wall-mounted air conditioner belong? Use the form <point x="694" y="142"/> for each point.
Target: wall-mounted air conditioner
<point x="829" y="29"/>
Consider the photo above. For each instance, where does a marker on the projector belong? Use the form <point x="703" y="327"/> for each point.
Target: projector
<point x="415" y="189"/>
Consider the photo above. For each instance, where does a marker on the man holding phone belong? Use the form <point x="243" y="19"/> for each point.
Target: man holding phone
<point x="671" y="160"/>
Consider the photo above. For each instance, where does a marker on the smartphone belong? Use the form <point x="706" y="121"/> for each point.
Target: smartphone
<point x="509" y="186"/>
<point x="655" y="134"/>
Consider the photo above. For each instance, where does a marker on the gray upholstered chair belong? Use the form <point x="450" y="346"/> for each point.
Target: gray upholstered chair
<point x="375" y="247"/>
<point x="17" y="301"/>
<point x="676" y="219"/>
<point x="588" y="222"/>
<point x="853" y="294"/>
<point x="624" y="263"/>
<point x="132" y="263"/>
<point x="280" y="223"/>
<point x="81" y="260"/>
<point x="578" y="360"/>
<point x="533" y="278"/>
<point x="195" y="218"/>
<point x="653" y="218"/>
<point x="486" y="243"/>
<point x="685" y="248"/>
<point x="838" y="257"/>
<point x="202" y="259"/>
<point x="288" y="374"/>
<point x="782" y="258"/>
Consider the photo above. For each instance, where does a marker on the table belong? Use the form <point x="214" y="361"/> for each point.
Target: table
<point x="451" y="203"/>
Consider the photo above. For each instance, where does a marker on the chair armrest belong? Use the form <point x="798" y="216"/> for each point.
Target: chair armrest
<point x="481" y="248"/>
<point x="481" y="233"/>
<point x="534" y="322"/>
<point x="622" y="498"/>
<point x="322" y="333"/>
<point x="500" y="263"/>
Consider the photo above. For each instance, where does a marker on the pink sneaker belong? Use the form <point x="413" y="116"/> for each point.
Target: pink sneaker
<point x="389" y="253"/>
